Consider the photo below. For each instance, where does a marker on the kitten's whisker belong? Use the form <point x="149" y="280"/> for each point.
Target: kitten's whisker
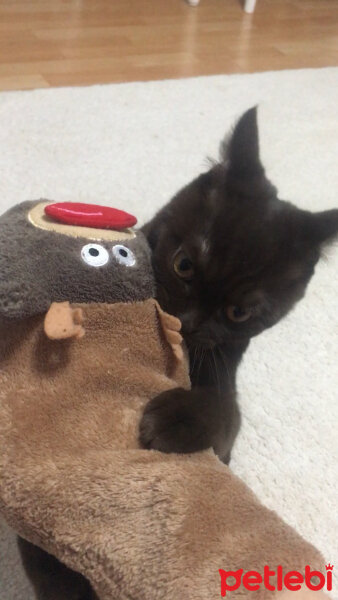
<point x="194" y="360"/>
<point x="216" y="371"/>
<point x="224" y="361"/>
<point x="201" y="361"/>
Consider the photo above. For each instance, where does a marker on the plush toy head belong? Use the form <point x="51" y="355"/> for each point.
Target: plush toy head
<point x="44" y="261"/>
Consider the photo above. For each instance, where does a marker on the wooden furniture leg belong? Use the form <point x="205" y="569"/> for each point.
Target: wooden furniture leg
<point x="249" y="6"/>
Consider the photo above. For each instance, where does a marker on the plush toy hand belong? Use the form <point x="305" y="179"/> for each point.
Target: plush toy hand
<point x="62" y="322"/>
<point x="171" y="327"/>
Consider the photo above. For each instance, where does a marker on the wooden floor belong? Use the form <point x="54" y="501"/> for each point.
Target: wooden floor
<point x="78" y="42"/>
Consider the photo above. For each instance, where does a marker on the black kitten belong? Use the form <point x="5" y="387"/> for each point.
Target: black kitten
<point x="230" y="260"/>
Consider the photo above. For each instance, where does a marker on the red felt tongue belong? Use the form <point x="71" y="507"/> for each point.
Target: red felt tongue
<point x="90" y="215"/>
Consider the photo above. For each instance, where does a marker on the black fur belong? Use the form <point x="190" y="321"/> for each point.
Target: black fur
<point x="248" y="249"/>
<point x="50" y="578"/>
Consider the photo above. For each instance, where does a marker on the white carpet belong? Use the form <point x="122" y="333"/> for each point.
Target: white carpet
<point x="133" y="146"/>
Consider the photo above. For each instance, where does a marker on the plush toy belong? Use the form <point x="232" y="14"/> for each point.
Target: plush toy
<point x="83" y="347"/>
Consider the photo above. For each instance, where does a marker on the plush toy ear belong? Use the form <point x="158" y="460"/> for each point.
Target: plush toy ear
<point x="241" y="150"/>
<point x="154" y="229"/>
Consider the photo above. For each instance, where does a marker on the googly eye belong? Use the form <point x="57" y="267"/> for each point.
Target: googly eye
<point x="124" y="255"/>
<point x="94" y="255"/>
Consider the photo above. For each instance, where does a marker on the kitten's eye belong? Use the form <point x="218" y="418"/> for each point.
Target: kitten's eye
<point x="183" y="266"/>
<point x="124" y="255"/>
<point x="94" y="255"/>
<point x="238" y="314"/>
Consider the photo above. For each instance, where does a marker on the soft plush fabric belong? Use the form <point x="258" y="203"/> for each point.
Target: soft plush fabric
<point x="139" y="524"/>
<point x="41" y="262"/>
<point x="132" y="146"/>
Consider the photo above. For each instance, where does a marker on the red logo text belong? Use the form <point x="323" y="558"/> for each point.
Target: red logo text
<point x="275" y="580"/>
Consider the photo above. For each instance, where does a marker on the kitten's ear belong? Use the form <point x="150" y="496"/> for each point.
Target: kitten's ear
<point x="321" y="227"/>
<point x="153" y="230"/>
<point x="241" y="150"/>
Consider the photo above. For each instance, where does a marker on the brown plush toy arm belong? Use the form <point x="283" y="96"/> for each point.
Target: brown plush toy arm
<point x="136" y="521"/>
<point x="63" y="322"/>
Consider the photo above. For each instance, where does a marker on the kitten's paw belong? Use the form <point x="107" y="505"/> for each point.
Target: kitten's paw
<point x="171" y="423"/>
